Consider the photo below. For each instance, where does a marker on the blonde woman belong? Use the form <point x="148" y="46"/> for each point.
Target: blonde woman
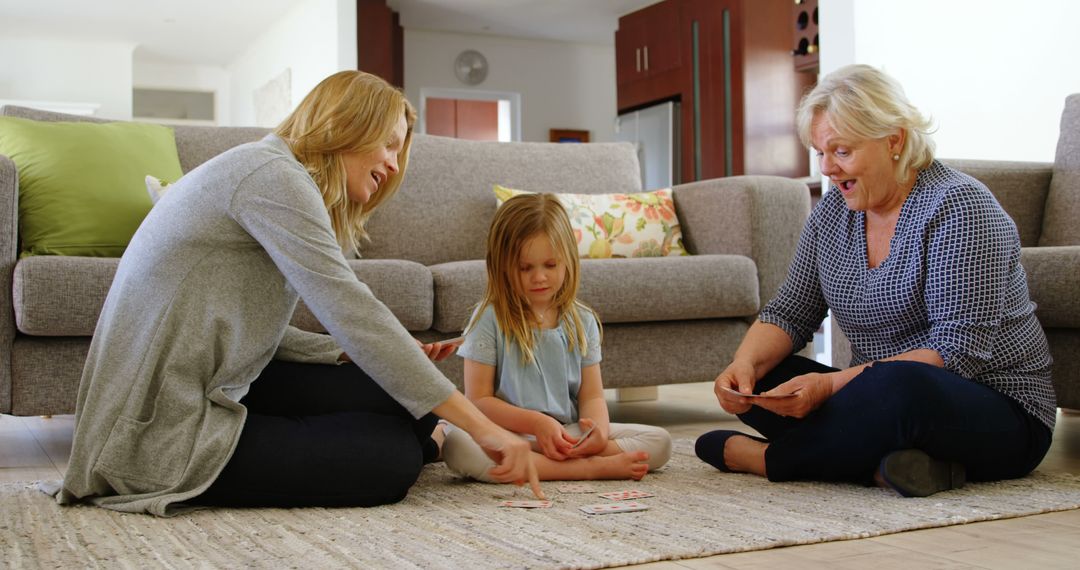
<point x="532" y="357"/>
<point x="197" y="391"/>
<point x="920" y="266"/>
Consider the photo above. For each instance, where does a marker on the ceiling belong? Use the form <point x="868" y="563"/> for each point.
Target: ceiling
<point x="215" y="32"/>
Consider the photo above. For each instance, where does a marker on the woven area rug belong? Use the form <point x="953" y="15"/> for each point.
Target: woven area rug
<point x="448" y="523"/>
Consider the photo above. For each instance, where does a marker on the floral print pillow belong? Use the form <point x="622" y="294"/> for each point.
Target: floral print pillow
<point x="641" y="224"/>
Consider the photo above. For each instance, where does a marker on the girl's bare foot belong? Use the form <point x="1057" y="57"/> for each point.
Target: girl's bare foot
<point x="628" y="465"/>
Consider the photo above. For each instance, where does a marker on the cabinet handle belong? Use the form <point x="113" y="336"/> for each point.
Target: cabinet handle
<point x="646" y="58"/>
<point x="637" y="56"/>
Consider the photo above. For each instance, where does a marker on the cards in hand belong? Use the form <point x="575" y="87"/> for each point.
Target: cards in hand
<point x="584" y="436"/>
<point x="608" y="508"/>
<point x="628" y="494"/>
<point x="738" y="393"/>
<point x="526" y="504"/>
<point x="453" y="341"/>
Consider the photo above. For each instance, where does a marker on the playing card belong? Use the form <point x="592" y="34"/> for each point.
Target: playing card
<point x="581" y="439"/>
<point x="526" y="504"/>
<point x="576" y="488"/>
<point x="614" y="508"/>
<point x="738" y="393"/>
<point x="454" y="341"/>
<point x="628" y="494"/>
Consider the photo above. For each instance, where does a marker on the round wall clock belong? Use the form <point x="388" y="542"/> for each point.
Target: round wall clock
<point x="471" y="67"/>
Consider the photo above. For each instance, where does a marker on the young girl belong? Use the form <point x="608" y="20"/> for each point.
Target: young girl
<point x="532" y="358"/>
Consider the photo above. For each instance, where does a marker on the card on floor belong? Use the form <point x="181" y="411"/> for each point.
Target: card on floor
<point x="628" y="494"/>
<point x="526" y="504"/>
<point x="614" y="508"/>
<point x="576" y="488"/>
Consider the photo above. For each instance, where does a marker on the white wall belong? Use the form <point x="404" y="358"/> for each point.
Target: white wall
<point x="562" y="85"/>
<point x="47" y="69"/>
<point x="993" y="74"/>
<point x="314" y="40"/>
<point x="154" y="75"/>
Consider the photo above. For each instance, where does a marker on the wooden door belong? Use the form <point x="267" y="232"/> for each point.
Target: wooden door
<point x="649" y="55"/>
<point x="629" y="39"/>
<point x="462" y="119"/>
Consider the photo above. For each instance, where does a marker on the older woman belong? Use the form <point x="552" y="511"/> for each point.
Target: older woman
<point x="196" y="389"/>
<point x="920" y="266"/>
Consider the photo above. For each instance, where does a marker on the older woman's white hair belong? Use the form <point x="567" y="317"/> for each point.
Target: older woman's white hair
<point x="863" y="103"/>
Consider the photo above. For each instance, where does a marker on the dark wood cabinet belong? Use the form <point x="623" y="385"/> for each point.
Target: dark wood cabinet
<point x="380" y="41"/>
<point x="648" y="54"/>
<point x="735" y="82"/>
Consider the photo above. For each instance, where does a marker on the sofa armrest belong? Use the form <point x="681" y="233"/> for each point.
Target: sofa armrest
<point x="760" y="217"/>
<point x="9" y="242"/>
<point x="1020" y="187"/>
<point x="1051" y="276"/>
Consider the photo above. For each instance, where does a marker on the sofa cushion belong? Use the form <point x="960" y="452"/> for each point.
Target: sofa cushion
<point x="444" y="206"/>
<point x="81" y="185"/>
<point x="1051" y="276"/>
<point x="1020" y="188"/>
<point x="623" y="290"/>
<point x="405" y="287"/>
<point x="63" y="296"/>
<point x="194" y="145"/>
<point x="639" y="224"/>
<point x="1063" y="201"/>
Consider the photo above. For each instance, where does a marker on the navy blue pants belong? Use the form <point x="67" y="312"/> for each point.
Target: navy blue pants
<point x="321" y="435"/>
<point x="892" y="406"/>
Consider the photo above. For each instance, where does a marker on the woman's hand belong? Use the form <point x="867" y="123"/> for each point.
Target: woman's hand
<point x="591" y="444"/>
<point x="811" y="391"/>
<point x="513" y="458"/>
<point x="512" y="455"/>
<point x="738" y="376"/>
<point x="437" y="351"/>
<point x="552" y="439"/>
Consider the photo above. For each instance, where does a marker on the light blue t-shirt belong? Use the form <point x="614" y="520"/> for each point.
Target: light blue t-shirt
<point x="550" y="383"/>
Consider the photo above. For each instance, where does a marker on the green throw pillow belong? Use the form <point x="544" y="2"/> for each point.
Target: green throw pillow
<point x="82" y="188"/>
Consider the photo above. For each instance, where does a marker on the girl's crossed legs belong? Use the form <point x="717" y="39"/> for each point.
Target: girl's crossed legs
<point x="633" y="450"/>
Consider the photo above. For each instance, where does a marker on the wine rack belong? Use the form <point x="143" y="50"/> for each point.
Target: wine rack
<point x="806" y="45"/>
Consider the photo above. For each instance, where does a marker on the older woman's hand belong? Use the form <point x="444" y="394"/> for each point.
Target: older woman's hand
<point x="737" y="376"/>
<point x="811" y="391"/>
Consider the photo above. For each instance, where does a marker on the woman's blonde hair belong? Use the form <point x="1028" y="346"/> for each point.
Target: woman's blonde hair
<point x="864" y="103"/>
<point x="518" y="220"/>
<point x="350" y="111"/>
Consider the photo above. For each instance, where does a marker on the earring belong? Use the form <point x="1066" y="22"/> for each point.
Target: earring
<point x="896" y="157"/>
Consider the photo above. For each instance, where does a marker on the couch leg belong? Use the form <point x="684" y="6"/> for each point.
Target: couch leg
<point x="637" y="394"/>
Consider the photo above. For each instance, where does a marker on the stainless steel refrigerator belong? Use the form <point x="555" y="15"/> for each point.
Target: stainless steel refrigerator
<point x="655" y="131"/>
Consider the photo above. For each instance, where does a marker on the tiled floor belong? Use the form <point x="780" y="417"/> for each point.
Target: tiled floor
<point x="37" y="448"/>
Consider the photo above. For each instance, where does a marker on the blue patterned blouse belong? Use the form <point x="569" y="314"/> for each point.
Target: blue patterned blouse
<point x="952" y="282"/>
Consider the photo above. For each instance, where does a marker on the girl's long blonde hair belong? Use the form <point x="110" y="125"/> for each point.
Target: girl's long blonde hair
<point x="350" y="111"/>
<point x="519" y="219"/>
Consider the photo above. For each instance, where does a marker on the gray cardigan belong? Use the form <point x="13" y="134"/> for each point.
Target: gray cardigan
<point x="200" y="303"/>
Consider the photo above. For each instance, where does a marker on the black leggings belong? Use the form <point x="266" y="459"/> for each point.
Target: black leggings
<point x="321" y="435"/>
<point x="898" y="405"/>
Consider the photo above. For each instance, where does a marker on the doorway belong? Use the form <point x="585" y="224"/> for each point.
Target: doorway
<point x="468" y="114"/>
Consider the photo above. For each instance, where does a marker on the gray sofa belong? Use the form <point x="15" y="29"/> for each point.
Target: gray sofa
<point x="667" y="320"/>
<point x="1044" y="201"/>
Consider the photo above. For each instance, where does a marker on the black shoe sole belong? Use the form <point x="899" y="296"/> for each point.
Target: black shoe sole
<point x="913" y="473"/>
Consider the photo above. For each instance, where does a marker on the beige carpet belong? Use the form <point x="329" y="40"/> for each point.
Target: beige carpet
<point x="447" y="523"/>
